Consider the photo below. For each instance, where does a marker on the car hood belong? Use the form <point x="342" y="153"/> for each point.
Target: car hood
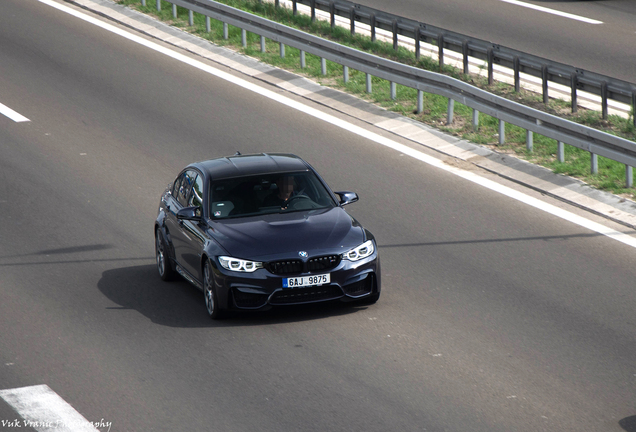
<point x="286" y="234"/>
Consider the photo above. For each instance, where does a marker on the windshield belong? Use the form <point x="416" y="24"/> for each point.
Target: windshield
<point x="270" y="193"/>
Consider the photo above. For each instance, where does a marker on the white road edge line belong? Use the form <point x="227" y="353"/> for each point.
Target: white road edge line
<point x="553" y="11"/>
<point x="44" y="410"/>
<point x="504" y="190"/>
<point x="13" y="115"/>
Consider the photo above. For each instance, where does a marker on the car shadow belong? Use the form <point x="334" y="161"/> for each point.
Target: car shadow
<point x="628" y="423"/>
<point x="179" y="304"/>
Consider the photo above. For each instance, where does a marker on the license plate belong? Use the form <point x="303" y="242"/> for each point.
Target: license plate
<point x="305" y="281"/>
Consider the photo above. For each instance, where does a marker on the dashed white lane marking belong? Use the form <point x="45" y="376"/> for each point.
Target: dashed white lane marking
<point x="44" y="410"/>
<point x="13" y="115"/>
<point x="553" y="12"/>
<point x="343" y="124"/>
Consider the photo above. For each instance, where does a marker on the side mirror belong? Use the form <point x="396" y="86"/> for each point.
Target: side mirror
<point x="347" y="197"/>
<point x="189" y="213"/>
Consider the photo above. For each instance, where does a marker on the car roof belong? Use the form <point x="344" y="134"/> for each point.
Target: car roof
<point x="252" y="164"/>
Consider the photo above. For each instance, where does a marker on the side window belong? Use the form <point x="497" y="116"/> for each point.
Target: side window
<point x="176" y="185"/>
<point x="196" y="197"/>
<point x="187" y="180"/>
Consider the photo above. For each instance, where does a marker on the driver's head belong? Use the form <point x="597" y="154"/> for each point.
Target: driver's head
<point x="285" y="186"/>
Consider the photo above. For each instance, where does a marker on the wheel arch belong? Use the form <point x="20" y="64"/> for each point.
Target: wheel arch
<point x="159" y="226"/>
<point x="223" y="296"/>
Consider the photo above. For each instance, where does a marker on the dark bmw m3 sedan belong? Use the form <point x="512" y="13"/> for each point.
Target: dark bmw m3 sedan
<point x="256" y="231"/>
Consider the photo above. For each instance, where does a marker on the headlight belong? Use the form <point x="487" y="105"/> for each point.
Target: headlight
<point x="239" y="265"/>
<point x="362" y="251"/>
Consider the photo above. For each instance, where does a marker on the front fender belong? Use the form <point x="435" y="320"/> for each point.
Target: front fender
<point x="211" y="250"/>
<point x="160" y="225"/>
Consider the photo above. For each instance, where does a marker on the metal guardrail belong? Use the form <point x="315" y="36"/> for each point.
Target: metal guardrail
<point x="576" y="78"/>
<point x="564" y="131"/>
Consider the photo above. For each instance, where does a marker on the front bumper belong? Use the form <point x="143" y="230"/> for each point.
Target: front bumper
<point x="261" y="289"/>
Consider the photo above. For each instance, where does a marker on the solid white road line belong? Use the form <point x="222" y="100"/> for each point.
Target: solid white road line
<point x="44" y="410"/>
<point x="548" y="208"/>
<point x="553" y="12"/>
<point x="13" y="115"/>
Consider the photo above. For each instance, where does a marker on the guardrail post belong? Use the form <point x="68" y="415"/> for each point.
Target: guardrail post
<point x="294" y="7"/>
<point x="544" y="83"/>
<point x="475" y="120"/>
<point x="323" y="66"/>
<point x="634" y="107"/>
<point x="394" y="29"/>
<point x="393" y="90"/>
<point x="243" y="38"/>
<point x="516" y="67"/>
<point x="560" y="151"/>
<point x="345" y="74"/>
<point x="312" y="5"/>
<point x="529" y="139"/>
<point x="417" y="43"/>
<point x="143" y="2"/>
<point x="208" y="24"/>
<point x="282" y="50"/>
<point x="190" y="18"/>
<point x="263" y="48"/>
<point x="574" y="79"/>
<point x="420" y="101"/>
<point x="369" y="83"/>
<point x="303" y="63"/>
<point x="450" y="110"/>
<point x="174" y="10"/>
<point x="440" y="51"/>
<point x="465" y="56"/>
<point x="629" y="176"/>
<point x="332" y="12"/>
<point x="594" y="163"/>
<point x="491" y="58"/>
<point x="502" y="132"/>
<point x="226" y="32"/>
<point x="352" y="22"/>
<point x="604" y="99"/>
<point x="158" y="5"/>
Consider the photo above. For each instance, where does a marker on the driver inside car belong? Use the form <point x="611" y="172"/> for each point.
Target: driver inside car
<point x="283" y="194"/>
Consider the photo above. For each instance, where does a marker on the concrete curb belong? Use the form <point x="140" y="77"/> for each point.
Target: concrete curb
<point x="564" y="188"/>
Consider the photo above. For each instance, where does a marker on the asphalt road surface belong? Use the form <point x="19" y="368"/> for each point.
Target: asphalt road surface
<point x="608" y="48"/>
<point x="494" y="315"/>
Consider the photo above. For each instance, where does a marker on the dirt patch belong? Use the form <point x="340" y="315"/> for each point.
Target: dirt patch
<point x="462" y="164"/>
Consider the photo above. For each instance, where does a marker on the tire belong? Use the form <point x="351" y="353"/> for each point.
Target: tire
<point x="164" y="267"/>
<point x="209" y="294"/>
